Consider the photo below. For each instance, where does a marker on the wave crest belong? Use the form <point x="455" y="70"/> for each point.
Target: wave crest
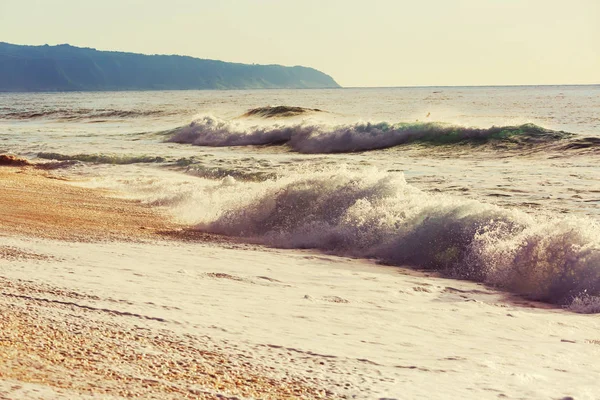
<point x="320" y="138"/>
<point x="279" y="111"/>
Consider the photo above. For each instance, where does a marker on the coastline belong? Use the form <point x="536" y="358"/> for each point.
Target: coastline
<point x="92" y="304"/>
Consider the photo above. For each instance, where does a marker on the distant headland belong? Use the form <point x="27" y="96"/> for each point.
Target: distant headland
<point x="69" y="68"/>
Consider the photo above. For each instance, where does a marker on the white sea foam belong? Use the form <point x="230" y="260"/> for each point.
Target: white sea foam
<point x="378" y="215"/>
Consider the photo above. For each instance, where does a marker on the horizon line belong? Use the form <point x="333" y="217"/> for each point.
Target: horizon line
<point x="469" y="86"/>
<point x="295" y="89"/>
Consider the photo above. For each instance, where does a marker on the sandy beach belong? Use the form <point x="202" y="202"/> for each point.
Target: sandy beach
<point x="296" y="200"/>
<point x="52" y="345"/>
<point x="97" y="301"/>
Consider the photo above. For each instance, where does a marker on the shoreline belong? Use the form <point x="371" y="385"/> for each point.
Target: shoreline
<point x="35" y="203"/>
<point x="91" y="304"/>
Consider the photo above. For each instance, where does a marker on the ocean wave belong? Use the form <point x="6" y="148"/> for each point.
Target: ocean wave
<point x="582" y="143"/>
<point x="78" y="114"/>
<point x="239" y="174"/>
<point x="102" y="158"/>
<point x="321" y="138"/>
<point x="279" y="112"/>
<point x="210" y="131"/>
<point x="378" y="215"/>
<point x="55" y="165"/>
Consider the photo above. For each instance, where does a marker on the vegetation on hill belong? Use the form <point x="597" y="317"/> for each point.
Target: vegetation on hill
<point x="69" y="68"/>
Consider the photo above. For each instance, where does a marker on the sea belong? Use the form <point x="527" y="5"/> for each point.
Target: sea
<point x="498" y="185"/>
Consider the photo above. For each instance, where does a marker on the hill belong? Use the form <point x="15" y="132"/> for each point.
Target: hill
<point x="69" y="68"/>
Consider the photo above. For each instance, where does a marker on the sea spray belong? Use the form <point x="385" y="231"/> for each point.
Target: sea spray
<point x="377" y="215"/>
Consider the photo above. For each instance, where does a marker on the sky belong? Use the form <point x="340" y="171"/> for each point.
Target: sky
<point x="370" y="43"/>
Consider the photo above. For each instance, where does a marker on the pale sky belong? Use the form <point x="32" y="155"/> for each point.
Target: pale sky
<point x="358" y="42"/>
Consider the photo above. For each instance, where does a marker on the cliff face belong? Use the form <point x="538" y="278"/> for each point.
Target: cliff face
<point x="69" y="68"/>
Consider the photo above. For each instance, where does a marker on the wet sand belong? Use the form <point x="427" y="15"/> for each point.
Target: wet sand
<point x="36" y="203"/>
<point x="51" y="345"/>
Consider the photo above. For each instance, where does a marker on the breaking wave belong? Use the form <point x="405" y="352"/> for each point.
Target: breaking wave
<point x="320" y="138"/>
<point x="378" y="215"/>
<point x="102" y="158"/>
